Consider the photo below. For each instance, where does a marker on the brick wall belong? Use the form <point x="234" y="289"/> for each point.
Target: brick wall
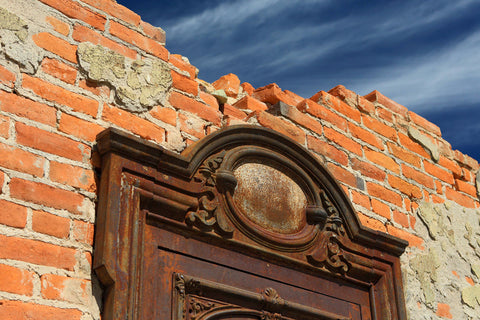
<point x="70" y="69"/>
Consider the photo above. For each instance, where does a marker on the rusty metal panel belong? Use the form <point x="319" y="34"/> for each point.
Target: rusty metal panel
<point x="246" y="224"/>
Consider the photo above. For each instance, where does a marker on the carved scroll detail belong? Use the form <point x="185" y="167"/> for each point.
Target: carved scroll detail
<point x="208" y="216"/>
<point x="329" y="252"/>
<point x="199" y="307"/>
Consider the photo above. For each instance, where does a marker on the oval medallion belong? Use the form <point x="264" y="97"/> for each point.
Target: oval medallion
<point x="270" y="198"/>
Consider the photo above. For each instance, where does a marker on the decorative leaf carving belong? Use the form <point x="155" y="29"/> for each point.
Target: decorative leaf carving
<point x="198" y="307"/>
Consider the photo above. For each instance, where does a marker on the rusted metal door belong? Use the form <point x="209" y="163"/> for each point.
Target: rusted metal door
<point x="244" y="225"/>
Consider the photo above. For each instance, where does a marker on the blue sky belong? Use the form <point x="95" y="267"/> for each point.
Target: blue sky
<point x="422" y="54"/>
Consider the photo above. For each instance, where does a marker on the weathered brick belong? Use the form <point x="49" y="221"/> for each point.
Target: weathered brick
<point x="56" y="287"/>
<point x="115" y="9"/>
<point x="385" y="114"/>
<point x="153" y="32"/>
<point x="192" y="126"/>
<point x="50" y="224"/>
<point x="418" y="176"/>
<point x="13" y="215"/>
<point x="404" y="187"/>
<point x="296" y="116"/>
<point x="451" y="165"/>
<point x="26" y="108"/>
<point x="327" y="150"/>
<point x="60" y="95"/>
<point x="59" y="26"/>
<point x="459" y="198"/>
<point x="443" y="310"/>
<point x="347" y="96"/>
<point x="250" y="103"/>
<point x="17" y="310"/>
<point x="365" y="136"/>
<point x="94" y="87"/>
<point x="272" y="94"/>
<point x="166" y="115"/>
<point x="382" y="160"/>
<point x="76" y="11"/>
<point x="323" y="113"/>
<point x="343" y="141"/>
<point x="411" y="145"/>
<point x="182" y="102"/>
<point x="135" y="38"/>
<point x="466" y="187"/>
<point x="51" y="142"/>
<point x="37" y="252"/>
<point x="413" y="240"/>
<point x="209" y="99"/>
<point x="379" y="191"/>
<point x="295" y="97"/>
<point x="46" y="195"/>
<point x="333" y="102"/>
<point x="83" y="231"/>
<point x="371" y="223"/>
<point x="400" y="218"/>
<point x="21" y="160"/>
<point x="59" y="70"/>
<point x="248" y="88"/>
<point x="178" y="62"/>
<point x="15" y="280"/>
<point x="228" y="83"/>
<point x="342" y="175"/>
<point x="438" y="172"/>
<point x="368" y="170"/>
<point x="184" y="84"/>
<point x="131" y="122"/>
<point x="7" y="77"/>
<point x="404" y="154"/>
<point x="376" y="96"/>
<point x="56" y="45"/>
<point x="277" y="124"/>
<point x="4" y="126"/>
<point x="424" y="123"/>
<point x="73" y="176"/>
<point x="361" y="199"/>
<point x="381" y="209"/>
<point x="379" y="127"/>
<point x="230" y="110"/>
<point x="79" y="128"/>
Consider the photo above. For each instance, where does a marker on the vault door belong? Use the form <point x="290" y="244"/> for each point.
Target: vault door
<point x="244" y="225"/>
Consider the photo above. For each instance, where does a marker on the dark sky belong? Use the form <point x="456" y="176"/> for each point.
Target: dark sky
<point x="422" y="54"/>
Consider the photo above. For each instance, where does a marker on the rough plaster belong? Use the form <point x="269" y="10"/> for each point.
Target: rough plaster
<point x="426" y="142"/>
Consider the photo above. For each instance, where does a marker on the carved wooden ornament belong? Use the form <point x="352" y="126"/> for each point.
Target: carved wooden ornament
<point x="245" y="224"/>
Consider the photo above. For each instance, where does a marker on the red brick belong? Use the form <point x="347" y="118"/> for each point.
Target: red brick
<point x="50" y="224"/>
<point x="178" y="62"/>
<point x="365" y="106"/>
<point x="4" y="126"/>
<point x="373" y="124"/>
<point x="133" y="123"/>
<point x="84" y="34"/>
<point x="229" y="110"/>
<point x="15" y="280"/>
<point x="17" y="310"/>
<point x="7" y="77"/>
<point x="59" y="26"/>
<point x="59" y="70"/>
<point x="83" y="231"/>
<point x="342" y="175"/>
<point x="209" y="99"/>
<point x="43" y="194"/>
<point x="166" y="115"/>
<point x="411" y="145"/>
<point x="466" y="187"/>
<point x="470" y="281"/>
<point x="56" y="45"/>
<point x="323" y="113"/>
<point x="438" y="172"/>
<point x="20" y="160"/>
<point x="404" y="187"/>
<point x="379" y="191"/>
<point x="327" y="150"/>
<point x="368" y="170"/>
<point x="342" y="140"/>
<point x="250" y="103"/>
<point x="182" y="102"/>
<point x="79" y="128"/>
<point x="401" y="218"/>
<point x="424" y="123"/>
<point x="443" y="310"/>
<point x="2" y="180"/>
<point x="270" y="121"/>
<point x="184" y="84"/>
<point x="459" y="198"/>
<point x="295" y="97"/>
<point x="347" y="96"/>
<point x="365" y="136"/>
<point x="451" y="165"/>
<point x="135" y="38"/>
<point x="228" y="83"/>
<point x="418" y="176"/>
<point x="54" y="286"/>
<point x="413" y="240"/>
<point x="94" y="87"/>
<point x="361" y="199"/>
<point x="37" y="252"/>
<point x="13" y="215"/>
<point x="331" y="101"/>
<point x="117" y="10"/>
<point x="153" y="32"/>
<point x="371" y="223"/>
<point x="413" y="220"/>
<point x="382" y="160"/>
<point x="51" y="142"/>
<point x="381" y="208"/>
<point x="25" y="108"/>
<point x="76" y="11"/>
<point x="299" y="117"/>
<point x="272" y="94"/>
<point x="404" y="154"/>
<point x="60" y="95"/>
<point x="191" y="126"/>
<point x="73" y="176"/>
<point x="385" y="114"/>
<point x="376" y="96"/>
<point x="248" y="88"/>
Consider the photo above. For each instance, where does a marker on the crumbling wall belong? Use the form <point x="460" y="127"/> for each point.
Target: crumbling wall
<point x="70" y="69"/>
